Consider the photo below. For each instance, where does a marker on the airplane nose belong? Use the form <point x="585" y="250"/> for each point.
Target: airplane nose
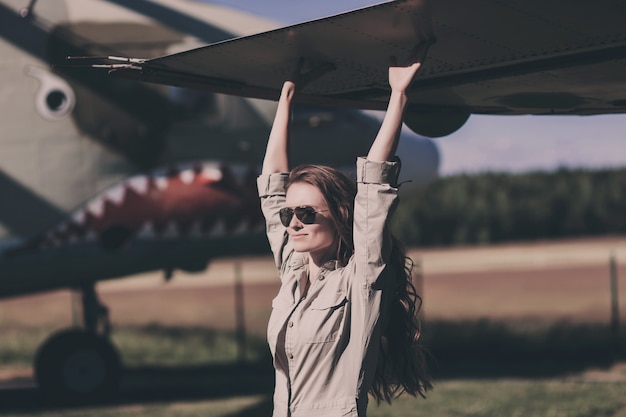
<point x="420" y="159"/>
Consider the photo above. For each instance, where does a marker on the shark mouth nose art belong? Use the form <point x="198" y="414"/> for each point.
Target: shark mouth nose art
<point x="204" y="200"/>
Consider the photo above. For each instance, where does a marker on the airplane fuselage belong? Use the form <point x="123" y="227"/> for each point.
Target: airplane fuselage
<point x="104" y="177"/>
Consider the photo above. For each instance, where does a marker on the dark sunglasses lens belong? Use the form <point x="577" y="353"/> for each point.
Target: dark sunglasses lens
<point x="285" y="216"/>
<point x="305" y="214"/>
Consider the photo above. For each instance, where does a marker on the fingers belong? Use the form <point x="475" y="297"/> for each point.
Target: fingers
<point x="301" y="77"/>
<point x="296" y="71"/>
<point x="420" y="51"/>
<point x="417" y="55"/>
<point x="401" y="77"/>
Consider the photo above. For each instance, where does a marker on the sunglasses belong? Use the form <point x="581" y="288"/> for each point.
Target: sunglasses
<point x="306" y="214"/>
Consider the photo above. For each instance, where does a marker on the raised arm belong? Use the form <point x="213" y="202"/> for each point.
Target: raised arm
<point x="386" y="142"/>
<point x="377" y="192"/>
<point x="277" y="151"/>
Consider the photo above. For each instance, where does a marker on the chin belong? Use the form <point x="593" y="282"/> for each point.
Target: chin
<point x="300" y="248"/>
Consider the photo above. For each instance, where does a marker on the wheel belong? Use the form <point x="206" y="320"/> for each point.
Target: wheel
<point x="74" y="366"/>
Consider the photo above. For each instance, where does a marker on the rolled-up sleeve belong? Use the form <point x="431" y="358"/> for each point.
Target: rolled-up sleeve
<point x="272" y="193"/>
<point x="376" y="199"/>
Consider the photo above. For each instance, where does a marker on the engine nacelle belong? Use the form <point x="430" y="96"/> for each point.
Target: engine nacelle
<point x="435" y="124"/>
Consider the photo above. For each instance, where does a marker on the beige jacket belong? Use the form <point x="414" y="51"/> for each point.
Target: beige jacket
<point x="325" y="345"/>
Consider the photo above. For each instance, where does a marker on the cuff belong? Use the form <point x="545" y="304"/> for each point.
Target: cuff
<point x="370" y="172"/>
<point x="272" y="184"/>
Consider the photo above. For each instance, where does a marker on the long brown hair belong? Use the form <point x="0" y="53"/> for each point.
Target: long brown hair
<point x="401" y="365"/>
<point x="339" y="192"/>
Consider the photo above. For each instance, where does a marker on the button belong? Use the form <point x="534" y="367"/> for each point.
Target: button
<point x="290" y="356"/>
<point x="290" y="324"/>
<point x="303" y="298"/>
<point x="321" y="277"/>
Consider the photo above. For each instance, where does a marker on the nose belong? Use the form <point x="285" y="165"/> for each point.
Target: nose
<point x="294" y="223"/>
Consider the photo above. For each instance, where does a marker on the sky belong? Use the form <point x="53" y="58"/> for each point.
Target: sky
<point x="489" y="143"/>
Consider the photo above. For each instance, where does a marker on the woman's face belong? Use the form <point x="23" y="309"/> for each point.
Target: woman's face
<point x="318" y="238"/>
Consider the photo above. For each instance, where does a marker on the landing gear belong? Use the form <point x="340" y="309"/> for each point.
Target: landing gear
<point x="74" y="366"/>
<point x="80" y="365"/>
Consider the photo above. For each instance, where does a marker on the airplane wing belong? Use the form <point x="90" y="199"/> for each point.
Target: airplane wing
<point x="490" y="57"/>
<point x="352" y="50"/>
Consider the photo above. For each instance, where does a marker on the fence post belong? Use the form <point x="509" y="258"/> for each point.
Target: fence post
<point x="77" y="308"/>
<point x="614" y="299"/>
<point x="239" y="314"/>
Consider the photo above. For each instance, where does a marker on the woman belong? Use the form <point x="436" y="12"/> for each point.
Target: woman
<point x="343" y="323"/>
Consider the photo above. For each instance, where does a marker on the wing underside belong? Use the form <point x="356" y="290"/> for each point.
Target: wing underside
<point x="504" y="57"/>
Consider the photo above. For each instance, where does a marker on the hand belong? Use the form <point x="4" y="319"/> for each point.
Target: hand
<point x="289" y="89"/>
<point x="401" y="77"/>
<point x="289" y="86"/>
<point x="296" y="72"/>
<point x="300" y="77"/>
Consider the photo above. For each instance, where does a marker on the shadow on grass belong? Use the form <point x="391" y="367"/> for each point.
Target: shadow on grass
<point x="488" y="349"/>
<point x="476" y="349"/>
<point x="154" y="384"/>
<point x="263" y="408"/>
<point x="160" y="384"/>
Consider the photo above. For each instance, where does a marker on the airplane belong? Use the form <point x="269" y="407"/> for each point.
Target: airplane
<point x="507" y="58"/>
<point x="103" y="177"/>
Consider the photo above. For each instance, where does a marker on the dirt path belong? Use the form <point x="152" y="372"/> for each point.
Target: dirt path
<point x="552" y="280"/>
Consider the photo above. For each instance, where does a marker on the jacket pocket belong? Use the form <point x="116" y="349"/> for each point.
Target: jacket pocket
<point x="325" y="318"/>
<point x="280" y="305"/>
<point x="329" y="301"/>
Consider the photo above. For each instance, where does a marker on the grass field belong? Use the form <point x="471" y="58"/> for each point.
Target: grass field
<point x="513" y="330"/>
<point x="506" y="397"/>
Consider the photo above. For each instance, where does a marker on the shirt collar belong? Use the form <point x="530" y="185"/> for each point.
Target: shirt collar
<point x="300" y="260"/>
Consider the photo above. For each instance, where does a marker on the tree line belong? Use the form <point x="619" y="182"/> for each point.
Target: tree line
<point x="498" y="207"/>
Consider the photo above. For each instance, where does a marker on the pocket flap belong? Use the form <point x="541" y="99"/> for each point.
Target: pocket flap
<point x="327" y="301"/>
<point x="281" y="302"/>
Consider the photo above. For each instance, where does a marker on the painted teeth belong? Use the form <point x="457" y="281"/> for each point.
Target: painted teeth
<point x="171" y="231"/>
<point x="139" y="184"/>
<point x="116" y="195"/>
<point x="146" y="231"/>
<point x="241" y="229"/>
<point x="79" y="226"/>
<point x="91" y="236"/>
<point x="187" y="176"/>
<point x="79" y="217"/>
<point x="212" y="173"/>
<point x="195" y="230"/>
<point x="219" y="229"/>
<point x="62" y="228"/>
<point x="161" y="182"/>
<point x="96" y="207"/>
